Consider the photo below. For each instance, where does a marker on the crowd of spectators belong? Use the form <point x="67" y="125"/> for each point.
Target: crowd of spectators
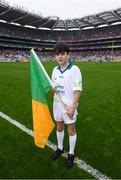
<point x="46" y="35"/>
<point x="97" y="55"/>
<point x="11" y="55"/>
<point x="90" y="55"/>
<point x="80" y="35"/>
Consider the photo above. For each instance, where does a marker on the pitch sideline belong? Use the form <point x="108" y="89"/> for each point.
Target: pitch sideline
<point x="80" y="163"/>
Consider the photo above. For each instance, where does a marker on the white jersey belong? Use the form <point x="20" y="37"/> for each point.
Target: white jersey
<point x="67" y="82"/>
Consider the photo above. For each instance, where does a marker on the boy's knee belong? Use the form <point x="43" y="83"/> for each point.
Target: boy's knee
<point x="71" y="130"/>
<point x="60" y="126"/>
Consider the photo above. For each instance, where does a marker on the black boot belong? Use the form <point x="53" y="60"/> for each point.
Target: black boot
<point x="70" y="161"/>
<point x="56" y="154"/>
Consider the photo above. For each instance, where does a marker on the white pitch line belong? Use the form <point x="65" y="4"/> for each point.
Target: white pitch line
<point x="80" y="163"/>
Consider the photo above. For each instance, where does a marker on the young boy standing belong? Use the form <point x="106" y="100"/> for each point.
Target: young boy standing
<point x="68" y="86"/>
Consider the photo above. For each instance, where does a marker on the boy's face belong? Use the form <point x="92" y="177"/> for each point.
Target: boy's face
<point x="62" y="58"/>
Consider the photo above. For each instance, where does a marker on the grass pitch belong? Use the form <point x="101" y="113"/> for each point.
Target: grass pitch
<point x="98" y="125"/>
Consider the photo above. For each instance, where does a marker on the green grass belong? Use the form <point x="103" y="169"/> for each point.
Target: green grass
<point x="98" y="125"/>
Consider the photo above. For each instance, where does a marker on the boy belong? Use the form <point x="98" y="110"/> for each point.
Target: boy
<point x="68" y="86"/>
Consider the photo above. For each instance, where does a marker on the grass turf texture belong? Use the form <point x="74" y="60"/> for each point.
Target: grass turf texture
<point x="98" y="125"/>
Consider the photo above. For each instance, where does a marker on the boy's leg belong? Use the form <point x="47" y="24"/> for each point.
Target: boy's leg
<point x="72" y="137"/>
<point x="72" y="143"/>
<point x="60" y="138"/>
<point x="60" y="134"/>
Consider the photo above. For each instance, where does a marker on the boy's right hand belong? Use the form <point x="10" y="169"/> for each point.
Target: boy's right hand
<point x="54" y="90"/>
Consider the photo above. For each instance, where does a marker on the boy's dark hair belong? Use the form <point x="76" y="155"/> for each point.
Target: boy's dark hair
<point x="61" y="47"/>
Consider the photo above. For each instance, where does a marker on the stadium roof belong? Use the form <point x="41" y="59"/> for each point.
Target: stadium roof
<point x="22" y="17"/>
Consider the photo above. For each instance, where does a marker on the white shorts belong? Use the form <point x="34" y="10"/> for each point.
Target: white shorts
<point x="60" y="114"/>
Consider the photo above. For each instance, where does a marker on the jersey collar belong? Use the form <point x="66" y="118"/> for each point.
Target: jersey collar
<point x="68" y="67"/>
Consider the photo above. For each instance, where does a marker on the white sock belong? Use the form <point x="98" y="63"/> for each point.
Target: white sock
<point x="60" y="137"/>
<point x="72" y="143"/>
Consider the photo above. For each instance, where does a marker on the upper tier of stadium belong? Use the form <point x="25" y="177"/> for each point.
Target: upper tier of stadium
<point x="16" y="15"/>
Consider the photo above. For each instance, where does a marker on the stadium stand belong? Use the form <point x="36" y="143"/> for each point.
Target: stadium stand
<point x="87" y="38"/>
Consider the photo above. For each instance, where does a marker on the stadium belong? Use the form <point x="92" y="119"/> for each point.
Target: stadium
<point x="95" y="44"/>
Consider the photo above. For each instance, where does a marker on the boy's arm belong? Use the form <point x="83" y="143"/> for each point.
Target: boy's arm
<point x="76" y="97"/>
<point x="71" y="109"/>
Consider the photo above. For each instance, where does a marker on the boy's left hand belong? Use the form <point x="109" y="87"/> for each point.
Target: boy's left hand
<point x="70" y="111"/>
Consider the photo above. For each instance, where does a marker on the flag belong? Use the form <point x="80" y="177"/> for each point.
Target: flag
<point x="40" y="86"/>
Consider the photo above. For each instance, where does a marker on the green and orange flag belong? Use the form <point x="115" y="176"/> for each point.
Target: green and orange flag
<point x="40" y="86"/>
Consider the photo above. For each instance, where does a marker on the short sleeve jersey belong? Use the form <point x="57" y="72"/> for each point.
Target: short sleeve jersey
<point x="67" y="82"/>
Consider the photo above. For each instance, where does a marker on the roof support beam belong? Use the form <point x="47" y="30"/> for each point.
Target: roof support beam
<point x="55" y="24"/>
<point x="100" y="19"/>
<point x="45" y="23"/>
<point x="116" y="15"/>
<point x="65" y="24"/>
<point x="5" y="12"/>
<point x="20" y="18"/>
<point x="76" y="24"/>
